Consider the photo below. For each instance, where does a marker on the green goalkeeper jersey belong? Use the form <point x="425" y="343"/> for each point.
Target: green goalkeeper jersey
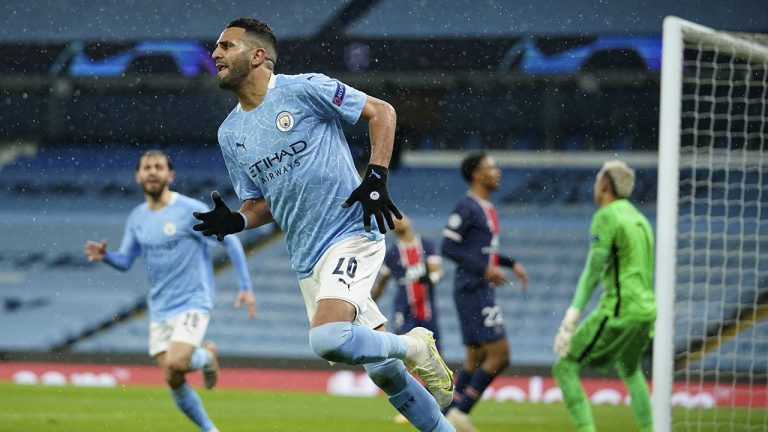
<point x="621" y="254"/>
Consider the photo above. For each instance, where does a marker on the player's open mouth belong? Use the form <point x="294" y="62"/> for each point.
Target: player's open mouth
<point x="220" y="67"/>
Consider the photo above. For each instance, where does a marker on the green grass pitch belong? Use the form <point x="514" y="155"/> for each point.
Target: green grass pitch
<point x="131" y="409"/>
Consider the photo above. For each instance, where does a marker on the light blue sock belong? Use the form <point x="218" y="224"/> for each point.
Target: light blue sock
<point x="199" y="358"/>
<point x="408" y="396"/>
<point x="343" y="342"/>
<point x="190" y="404"/>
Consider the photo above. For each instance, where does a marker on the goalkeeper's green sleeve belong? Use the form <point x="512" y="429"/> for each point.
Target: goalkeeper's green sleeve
<point x="601" y="240"/>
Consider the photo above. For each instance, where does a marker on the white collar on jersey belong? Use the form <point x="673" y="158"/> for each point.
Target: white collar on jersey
<point x="478" y="199"/>
<point x="270" y="85"/>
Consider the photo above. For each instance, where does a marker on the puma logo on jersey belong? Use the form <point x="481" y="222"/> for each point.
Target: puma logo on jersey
<point x="349" y="286"/>
<point x="237" y="144"/>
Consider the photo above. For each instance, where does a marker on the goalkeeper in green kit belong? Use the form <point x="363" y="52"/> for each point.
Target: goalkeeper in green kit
<point x="617" y="331"/>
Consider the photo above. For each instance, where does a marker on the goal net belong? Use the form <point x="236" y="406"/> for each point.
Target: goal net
<point x="710" y="366"/>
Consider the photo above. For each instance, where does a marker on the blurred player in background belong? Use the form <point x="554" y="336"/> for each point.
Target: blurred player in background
<point x="617" y="331"/>
<point x="471" y="239"/>
<point x="181" y="277"/>
<point x="417" y="267"/>
<point x="289" y="162"/>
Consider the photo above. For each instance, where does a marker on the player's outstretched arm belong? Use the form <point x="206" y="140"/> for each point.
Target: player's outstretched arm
<point x="520" y="274"/>
<point x="562" y="345"/>
<point x="517" y="269"/>
<point x="95" y="250"/>
<point x="495" y="276"/>
<point x="256" y="212"/>
<point x="382" y="119"/>
<point x="246" y="298"/>
<point x="121" y="259"/>
<point x="237" y="256"/>
<point x="372" y="193"/>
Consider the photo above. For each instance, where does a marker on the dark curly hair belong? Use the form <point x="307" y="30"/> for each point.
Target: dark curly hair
<point x="470" y="163"/>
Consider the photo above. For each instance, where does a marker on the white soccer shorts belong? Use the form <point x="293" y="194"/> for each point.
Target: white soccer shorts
<point x="188" y="327"/>
<point x="347" y="271"/>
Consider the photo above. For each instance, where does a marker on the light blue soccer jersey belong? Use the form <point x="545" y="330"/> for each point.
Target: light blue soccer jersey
<point x="177" y="258"/>
<point x="291" y="150"/>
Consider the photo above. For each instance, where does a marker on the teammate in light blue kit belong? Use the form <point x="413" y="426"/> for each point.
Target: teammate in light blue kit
<point x="289" y="162"/>
<point x="181" y="280"/>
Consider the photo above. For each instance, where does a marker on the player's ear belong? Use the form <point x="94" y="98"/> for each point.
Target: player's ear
<point x="258" y="56"/>
<point x="604" y="184"/>
<point x="475" y="175"/>
<point x="171" y="176"/>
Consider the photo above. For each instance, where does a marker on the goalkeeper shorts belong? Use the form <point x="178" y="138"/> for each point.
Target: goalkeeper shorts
<point x="602" y="341"/>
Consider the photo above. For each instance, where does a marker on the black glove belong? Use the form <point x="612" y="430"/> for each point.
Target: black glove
<point x="374" y="197"/>
<point x="220" y="221"/>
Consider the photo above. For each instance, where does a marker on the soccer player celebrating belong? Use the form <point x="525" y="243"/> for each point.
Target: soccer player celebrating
<point x="471" y="239"/>
<point x="180" y="270"/>
<point x="617" y="331"/>
<point x="289" y="162"/>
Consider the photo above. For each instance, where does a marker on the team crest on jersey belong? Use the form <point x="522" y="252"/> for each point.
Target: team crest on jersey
<point x="284" y="121"/>
<point x="169" y="229"/>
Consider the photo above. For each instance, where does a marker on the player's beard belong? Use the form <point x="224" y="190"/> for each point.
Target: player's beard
<point x="238" y="72"/>
<point x="155" y="191"/>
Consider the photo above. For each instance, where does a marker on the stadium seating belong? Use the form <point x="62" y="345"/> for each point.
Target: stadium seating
<point x="54" y="294"/>
<point x="272" y="334"/>
<point x="51" y="295"/>
<point x="86" y="194"/>
<point x="743" y="355"/>
<point x="291" y="18"/>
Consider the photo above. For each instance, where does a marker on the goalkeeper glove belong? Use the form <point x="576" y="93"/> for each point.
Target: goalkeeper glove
<point x="562" y="344"/>
<point x="220" y="221"/>
<point x="374" y="197"/>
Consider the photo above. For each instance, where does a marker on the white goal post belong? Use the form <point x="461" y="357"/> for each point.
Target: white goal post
<point x="711" y="204"/>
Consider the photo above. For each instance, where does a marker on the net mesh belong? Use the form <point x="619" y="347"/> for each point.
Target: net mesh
<point x="721" y="298"/>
